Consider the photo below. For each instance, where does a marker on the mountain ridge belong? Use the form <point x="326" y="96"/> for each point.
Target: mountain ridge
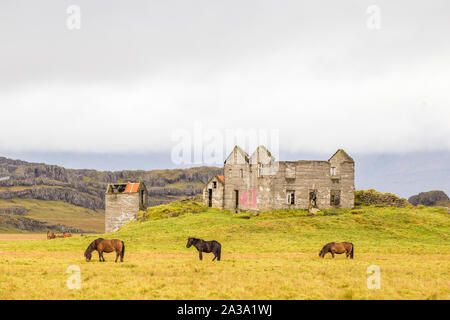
<point x="22" y="182"/>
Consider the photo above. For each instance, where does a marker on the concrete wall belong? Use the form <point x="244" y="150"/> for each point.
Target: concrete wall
<point x="269" y="191"/>
<point x="120" y="208"/>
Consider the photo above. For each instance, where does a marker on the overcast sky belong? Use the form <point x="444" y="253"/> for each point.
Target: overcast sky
<point x="137" y="71"/>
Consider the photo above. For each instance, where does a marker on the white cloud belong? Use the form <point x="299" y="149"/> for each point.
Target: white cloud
<point x="324" y="81"/>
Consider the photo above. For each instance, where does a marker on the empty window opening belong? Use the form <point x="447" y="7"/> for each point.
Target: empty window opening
<point x="260" y="169"/>
<point x="215" y="184"/>
<point x="333" y="171"/>
<point x="335" y="197"/>
<point x="291" y="197"/>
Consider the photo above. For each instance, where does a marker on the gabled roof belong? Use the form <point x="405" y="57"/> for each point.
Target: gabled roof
<point x="132" y="187"/>
<point x="345" y="154"/>
<point x="220" y="178"/>
<point x="242" y="152"/>
<point x="257" y="154"/>
<point x="245" y="154"/>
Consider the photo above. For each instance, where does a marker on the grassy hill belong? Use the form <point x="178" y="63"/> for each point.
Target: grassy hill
<point x="270" y="256"/>
<point x="57" y="212"/>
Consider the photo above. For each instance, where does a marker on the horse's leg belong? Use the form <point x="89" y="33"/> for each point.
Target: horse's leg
<point x="100" y="256"/>
<point x="200" y="255"/>
<point x="332" y="254"/>
<point x="117" y="255"/>
<point x="215" y="255"/>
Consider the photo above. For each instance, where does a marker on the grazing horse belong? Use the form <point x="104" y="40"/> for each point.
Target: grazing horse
<point x="205" y="246"/>
<point x="102" y="245"/>
<point x="337" y="247"/>
<point x="50" y="235"/>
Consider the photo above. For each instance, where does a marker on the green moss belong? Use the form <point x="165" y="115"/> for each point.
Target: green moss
<point x="174" y="209"/>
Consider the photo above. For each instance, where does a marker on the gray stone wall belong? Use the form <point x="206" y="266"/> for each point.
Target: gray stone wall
<point x="120" y="208"/>
<point x="217" y="193"/>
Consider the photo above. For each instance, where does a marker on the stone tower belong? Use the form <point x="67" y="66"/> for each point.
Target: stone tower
<point x="122" y="203"/>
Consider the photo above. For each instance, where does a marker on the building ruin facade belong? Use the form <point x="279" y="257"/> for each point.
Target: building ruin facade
<point x="259" y="182"/>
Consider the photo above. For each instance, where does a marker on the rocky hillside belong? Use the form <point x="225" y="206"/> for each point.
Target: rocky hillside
<point x="12" y="223"/>
<point x="430" y="198"/>
<point x="86" y="188"/>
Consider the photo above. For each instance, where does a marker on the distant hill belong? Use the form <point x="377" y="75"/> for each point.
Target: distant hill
<point x="430" y="198"/>
<point x="22" y="180"/>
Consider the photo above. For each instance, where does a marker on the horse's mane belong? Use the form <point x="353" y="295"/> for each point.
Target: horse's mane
<point x="195" y="241"/>
<point x="92" y="246"/>
<point x="327" y="246"/>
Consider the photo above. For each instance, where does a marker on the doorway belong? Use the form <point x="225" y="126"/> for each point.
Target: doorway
<point x="313" y="198"/>
<point x="210" y="198"/>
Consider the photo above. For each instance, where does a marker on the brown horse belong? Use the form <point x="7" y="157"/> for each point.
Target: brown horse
<point x="50" y="235"/>
<point x="337" y="247"/>
<point x="67" y="235"/>
<point x="102" y="245"/>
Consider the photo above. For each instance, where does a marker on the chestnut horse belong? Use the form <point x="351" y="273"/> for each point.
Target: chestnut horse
<point x="337" y="247"/>
<point x="50" y="235"/>
<point x="102" y="245"/>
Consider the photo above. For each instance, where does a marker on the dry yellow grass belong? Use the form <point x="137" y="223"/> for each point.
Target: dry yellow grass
<point x="262" y="259"/>
<point x="42" y="275"/>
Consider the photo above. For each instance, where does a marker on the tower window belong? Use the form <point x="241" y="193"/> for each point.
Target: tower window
<point x="290" y="197"/>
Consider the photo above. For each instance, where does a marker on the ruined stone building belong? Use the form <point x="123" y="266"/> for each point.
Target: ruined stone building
<point x="122" y="203"/>
<point x="259" y="182"/>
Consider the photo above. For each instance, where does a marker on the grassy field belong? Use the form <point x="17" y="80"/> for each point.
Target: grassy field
<point x="60" y="212"/>
<point x="270" y="256"/>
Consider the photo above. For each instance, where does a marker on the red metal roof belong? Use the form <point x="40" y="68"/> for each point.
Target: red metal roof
<point x="221" y="178"/>
<point x="131" y="187"/>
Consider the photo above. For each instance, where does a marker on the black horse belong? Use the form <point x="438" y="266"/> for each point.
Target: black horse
<point x="205" y="246"/>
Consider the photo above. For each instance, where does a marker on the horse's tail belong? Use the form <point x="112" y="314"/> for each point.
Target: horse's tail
<point x="353" y="250"/>
<point x="123" y="250"/>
